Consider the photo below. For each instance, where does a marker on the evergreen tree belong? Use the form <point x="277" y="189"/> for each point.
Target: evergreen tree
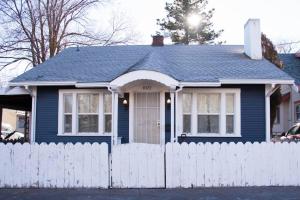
<point x="189" y="21"/>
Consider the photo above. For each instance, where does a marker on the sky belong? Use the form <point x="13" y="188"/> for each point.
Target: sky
<point x="280" y="20"/>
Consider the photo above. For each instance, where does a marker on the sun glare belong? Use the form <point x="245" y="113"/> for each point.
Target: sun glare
<point x="193" y="20"/>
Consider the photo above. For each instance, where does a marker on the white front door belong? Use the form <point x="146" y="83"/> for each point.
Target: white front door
<point x="147" y="118"/>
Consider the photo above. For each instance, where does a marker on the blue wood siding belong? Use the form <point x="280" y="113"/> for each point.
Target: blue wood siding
<point x="123" y="119"/>
<point x="252" y="117"/>
<point x="167" y="119"/>
<point x="47" y="120"/>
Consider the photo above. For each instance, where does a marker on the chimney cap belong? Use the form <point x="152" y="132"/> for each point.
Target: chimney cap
<point x="157" y="40"/>
<point x="251" y="20"/>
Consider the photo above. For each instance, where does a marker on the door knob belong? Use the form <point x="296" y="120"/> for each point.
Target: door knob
<point x="158" y="123"/>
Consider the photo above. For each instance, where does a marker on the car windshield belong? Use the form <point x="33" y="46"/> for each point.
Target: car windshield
<point x="294" y="130"/>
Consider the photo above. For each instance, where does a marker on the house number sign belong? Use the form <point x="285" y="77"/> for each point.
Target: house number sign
<point x="147" y="87"/>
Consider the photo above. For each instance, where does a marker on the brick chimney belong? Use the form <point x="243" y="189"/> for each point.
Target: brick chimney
<point x="157" y="40"/>
<point x="252" y="39"/>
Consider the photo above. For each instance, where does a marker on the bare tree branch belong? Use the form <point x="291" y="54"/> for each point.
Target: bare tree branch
<point x="35" y="30"/>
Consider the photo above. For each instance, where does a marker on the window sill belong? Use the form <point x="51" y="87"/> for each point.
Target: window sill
<point x="213" y="135"/>
<point x="85" y="134"/>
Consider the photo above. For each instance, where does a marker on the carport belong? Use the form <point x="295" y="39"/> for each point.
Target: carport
<point x="16" y="98"/>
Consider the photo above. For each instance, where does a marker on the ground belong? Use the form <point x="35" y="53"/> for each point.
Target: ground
<point x="238" y="193"/>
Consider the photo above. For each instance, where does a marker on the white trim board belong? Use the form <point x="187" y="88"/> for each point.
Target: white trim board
<point x="42" y="83"/>
<point x="144" y="75"/>
<point x="256" y="81"/>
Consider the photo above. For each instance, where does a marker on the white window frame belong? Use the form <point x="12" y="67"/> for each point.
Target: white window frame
<point x="74" y="93"/>
<point x="222" y="125"/>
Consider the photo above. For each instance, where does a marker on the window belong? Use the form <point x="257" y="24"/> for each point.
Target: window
<point x="84" y="112"/>
<point x="211" y="112"/>
<point x="297" y="112"/>
<point x="187" y="112"/>
<point x="68" y="99"/>
<point x="88" y="113"/>
<point x="230" y="113"/>
<point x="107" y="113"/>
<point x="208" y="113"/>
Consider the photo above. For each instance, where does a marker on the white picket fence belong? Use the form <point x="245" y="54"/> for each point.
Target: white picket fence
<point x="138" y="166"/>
<point x="215" y="165"/>
<point x="54" y="165"/>
<point x="149" y="166"/>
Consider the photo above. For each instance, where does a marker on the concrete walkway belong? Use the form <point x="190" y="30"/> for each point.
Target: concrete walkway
<point x="249" y="193"/>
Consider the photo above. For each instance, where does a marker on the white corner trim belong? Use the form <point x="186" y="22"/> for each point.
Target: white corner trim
<point x="144" y="75"/>
<point x="256" y="81"/>
<point x="33" y="115"/>
<point x="268" y="93"/>
<point x="42" y="83"/>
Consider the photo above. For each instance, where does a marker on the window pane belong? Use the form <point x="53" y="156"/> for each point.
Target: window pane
<point x="214" y="103"/>
<point x="187" y="103"/>
<point x="229" y="124"/>
<point x="107" y="103"/>
<point x="68" y="103"/>
<point x="209" y="103"/>
<point x="186" y="123"/>
<point x="68" y="124"/>
<point x="88" y="103"/>
<point x="298" y="116"/>
<point x="202" y="103"/>
<point x="229" y="103"/>
<point x="107" y="123"/>
<point x="208" y="123"/>
<point x="88" y="123"/>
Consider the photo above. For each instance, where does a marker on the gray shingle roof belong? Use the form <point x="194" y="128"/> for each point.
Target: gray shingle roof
<point x="192" y="63"/>
<point x="291" y="65"/>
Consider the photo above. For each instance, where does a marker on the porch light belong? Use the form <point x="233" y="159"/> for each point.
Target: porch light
<point x="168" y="101"/>
<point x="125" y="102"/>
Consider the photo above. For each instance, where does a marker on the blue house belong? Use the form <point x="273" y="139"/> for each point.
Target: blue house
<point x="154" y="94"/>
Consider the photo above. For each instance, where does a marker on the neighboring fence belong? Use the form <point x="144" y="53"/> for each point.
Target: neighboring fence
<point x="54" y="165"/>
<point x="214" y="165"/>
<point x="138" y="166"/>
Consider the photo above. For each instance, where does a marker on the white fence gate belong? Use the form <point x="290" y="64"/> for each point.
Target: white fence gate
<point x="215" y="165"/>
<point x="138" y="165"/>
<point x="54" y="165"/>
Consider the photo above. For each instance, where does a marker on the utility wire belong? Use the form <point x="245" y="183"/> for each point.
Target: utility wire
<point x="288" y="43"/>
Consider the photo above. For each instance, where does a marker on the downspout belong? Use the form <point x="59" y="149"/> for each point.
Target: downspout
<point x="176" y="112"/>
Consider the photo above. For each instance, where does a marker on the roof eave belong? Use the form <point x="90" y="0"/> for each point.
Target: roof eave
<point x="257" y="81"/>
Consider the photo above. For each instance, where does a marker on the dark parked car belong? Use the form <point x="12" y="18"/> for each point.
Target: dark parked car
<point x="293" y="134"/>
